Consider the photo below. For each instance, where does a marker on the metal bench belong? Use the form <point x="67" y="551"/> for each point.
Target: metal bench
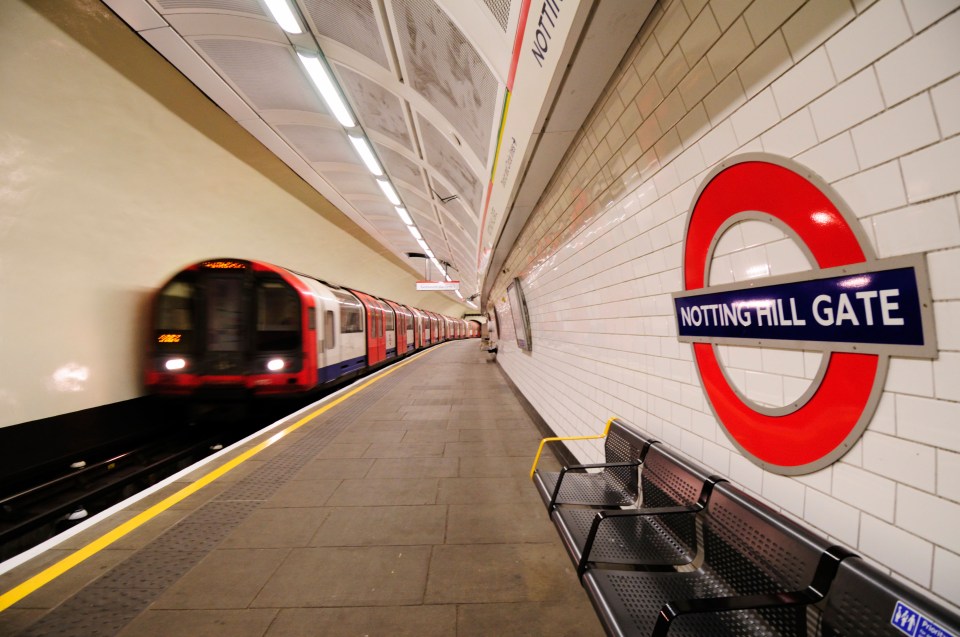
<point x="615" y="484"/>
<point x="758" y="575"/>
<point x="863" y="602"/>
<point x="662" y="532"/>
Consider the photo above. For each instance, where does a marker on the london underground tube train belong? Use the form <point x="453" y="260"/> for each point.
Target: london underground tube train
<point x="233" y="327"/>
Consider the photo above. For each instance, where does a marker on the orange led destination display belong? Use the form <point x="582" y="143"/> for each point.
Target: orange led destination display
<point x="223" y="264"/>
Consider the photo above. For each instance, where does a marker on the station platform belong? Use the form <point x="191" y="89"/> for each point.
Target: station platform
<point x="402" y="506"/>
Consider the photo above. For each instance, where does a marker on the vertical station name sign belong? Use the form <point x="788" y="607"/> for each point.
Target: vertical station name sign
<point x="855" y="308"/>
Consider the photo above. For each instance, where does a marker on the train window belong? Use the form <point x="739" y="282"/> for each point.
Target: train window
<point x="312" y="318"/>
<point x="278" y="316"/>
<point x="351" y="313"/>
<point x="391" y="321"/>
<point x="329" y="334"/>
<point x="175" y="317"/>
<point x="175" y="307"/>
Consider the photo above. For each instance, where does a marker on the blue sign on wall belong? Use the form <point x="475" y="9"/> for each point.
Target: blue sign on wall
<point x="870" y="307"/>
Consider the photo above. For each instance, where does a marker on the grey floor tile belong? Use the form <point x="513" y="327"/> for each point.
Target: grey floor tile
<point x="526" y="435"/>
<point x="391" y="621"/>
<point x="572" y="618"/>
<point x="506" y="523"/>
<point x="405" y="450"/>
<point x="362" y="435"/>
<point x="334" y="469"/>
<point x="496" y="467"/>
<point x="227" y="578"/>
<point x="481" y="573"/>
<point x="414" y="468"/>
<point x="365" y="576"/>
<point x="299" y="494"/>
<point x="483" y="449"/>
<point x="483" y="490"/>
<point x="277" y="528"/>
<point x="382" y="526"/>
<point x="431" y="436"/>
<point x="380" y="492"/>
<point x="201" y="623"/>
<point x="351" y="450"/>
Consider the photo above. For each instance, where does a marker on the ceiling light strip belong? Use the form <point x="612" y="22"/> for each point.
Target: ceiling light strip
<point x="285" y="16"/>
<point x="389" y="192"/>
<point x="404" y="215"/>
<point x="363" y="149"/>
<point x="320" y="76"/>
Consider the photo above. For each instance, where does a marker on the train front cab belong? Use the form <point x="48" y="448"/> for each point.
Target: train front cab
<point x="231" y="326"/>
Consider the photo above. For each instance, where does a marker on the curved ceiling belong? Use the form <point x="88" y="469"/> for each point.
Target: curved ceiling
<point x="424" y="78"/>
<point x="426" y="81"/>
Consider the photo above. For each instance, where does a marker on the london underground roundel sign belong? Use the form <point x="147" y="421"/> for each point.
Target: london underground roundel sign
<point x="856" y="309"/>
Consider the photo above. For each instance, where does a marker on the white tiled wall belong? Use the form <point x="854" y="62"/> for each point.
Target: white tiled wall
<point x="864" y="93"/>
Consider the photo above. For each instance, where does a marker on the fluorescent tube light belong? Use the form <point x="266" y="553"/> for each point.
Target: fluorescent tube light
<point x="448" y="278"/>
<point x="320" y="76"/>
<point x="284" y="15"/>
<point x="429" y="254"/>
<point x="423" y="244"/>
<point x="404" y="215"/>
<point x="388" y="190"/>
<point x="457" y="291"/>
<point x="416" y="233"/>
<point x="366" y="154"/>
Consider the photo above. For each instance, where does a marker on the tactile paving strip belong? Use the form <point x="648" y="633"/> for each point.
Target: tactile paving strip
<point x="115" y="599"/>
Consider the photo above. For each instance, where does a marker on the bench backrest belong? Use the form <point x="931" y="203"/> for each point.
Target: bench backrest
<point x="624" y="444"/>
<point x="863" y="602"/>
<point x="754" y="548"/>
<point x="668" y="479"/>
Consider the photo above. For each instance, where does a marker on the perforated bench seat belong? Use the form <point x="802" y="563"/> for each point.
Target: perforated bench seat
<point x="661" y="532"/>
<point x="863" y="602"/>
<point x="758" y="573"/>
<point x="612" y="484"/>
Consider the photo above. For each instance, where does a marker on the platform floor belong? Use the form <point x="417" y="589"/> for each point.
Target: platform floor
<point x="404" y="510"/>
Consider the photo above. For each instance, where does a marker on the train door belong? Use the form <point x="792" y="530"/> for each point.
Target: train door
<point x="225" y="310"/>
<point x="376" y="343"/>
<point x="411" y="328"/>
<point x="417" y="328"/>
<point x="402" y="324"/>
<point x="389" y="330"/>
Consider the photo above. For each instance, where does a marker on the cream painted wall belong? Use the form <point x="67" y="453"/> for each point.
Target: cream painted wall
<point x="864" y="93"/>
<point x="115" y="172"/>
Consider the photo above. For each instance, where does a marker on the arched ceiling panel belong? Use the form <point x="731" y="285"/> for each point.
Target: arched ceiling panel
<point x="442" y="65"/>
<point x="380" y="110"/>
<point x="266" y="74"/>
<point x="349" y="22"/>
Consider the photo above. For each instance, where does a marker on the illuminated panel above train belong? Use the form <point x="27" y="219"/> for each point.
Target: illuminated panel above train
<point x="223" y="264"/>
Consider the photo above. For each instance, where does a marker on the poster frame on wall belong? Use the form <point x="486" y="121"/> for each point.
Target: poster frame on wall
<point x="521" y="319"/>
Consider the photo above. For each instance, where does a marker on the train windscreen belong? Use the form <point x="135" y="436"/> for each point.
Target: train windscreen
<point x="278" y="317"/>
<point x="175" y="318"/>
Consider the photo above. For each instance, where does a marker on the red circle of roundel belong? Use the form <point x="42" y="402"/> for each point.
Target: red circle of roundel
<point x="821" y="425"/>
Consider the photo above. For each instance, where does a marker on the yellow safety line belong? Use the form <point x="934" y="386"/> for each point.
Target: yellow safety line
<point x="49" y="574"/>
<point x="606" y="430"/>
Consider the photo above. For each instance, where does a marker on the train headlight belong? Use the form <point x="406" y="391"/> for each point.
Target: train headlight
<point x="275" y="364"/>
<point x="175" y="364"/>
